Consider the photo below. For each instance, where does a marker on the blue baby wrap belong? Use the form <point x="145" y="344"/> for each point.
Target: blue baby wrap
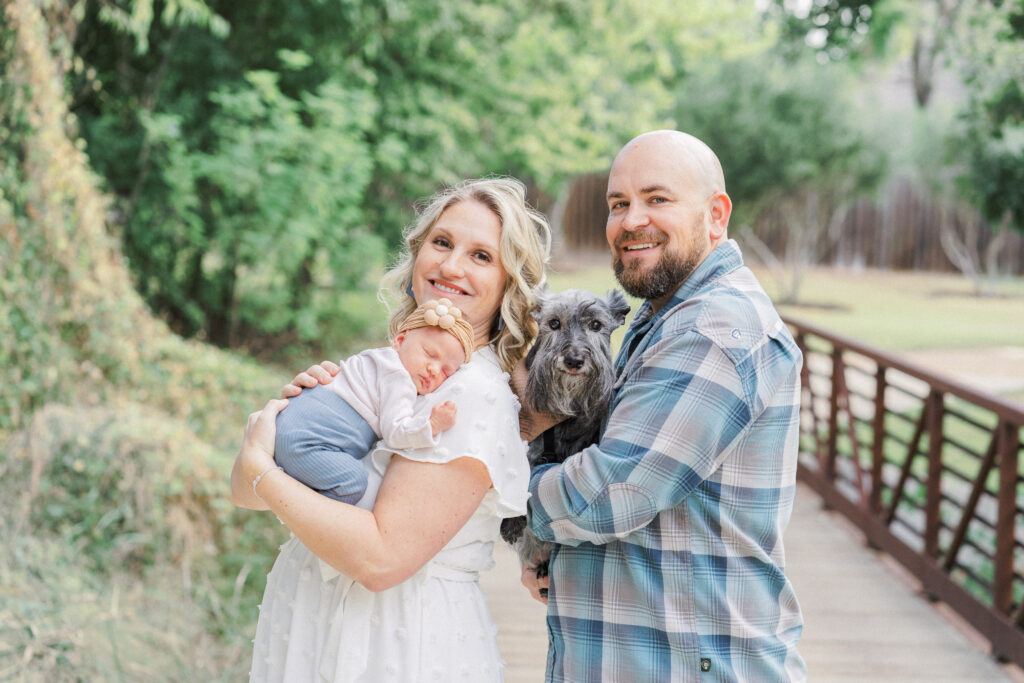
<point x="320" y="438"/>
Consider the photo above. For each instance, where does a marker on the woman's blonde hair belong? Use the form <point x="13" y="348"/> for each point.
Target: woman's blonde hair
<point x="524" y="246"/>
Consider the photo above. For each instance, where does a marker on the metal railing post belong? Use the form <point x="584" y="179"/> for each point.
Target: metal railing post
<point x="1002" y="584"/>
<point x="878" y="443"/>
<point x="933" y="485"/>
<point x="833" y="414"/>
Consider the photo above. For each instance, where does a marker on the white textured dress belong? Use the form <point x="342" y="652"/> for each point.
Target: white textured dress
<point x="317" y="625"/>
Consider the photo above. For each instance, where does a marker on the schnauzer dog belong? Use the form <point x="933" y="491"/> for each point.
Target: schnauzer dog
<point x="569" y="373"/>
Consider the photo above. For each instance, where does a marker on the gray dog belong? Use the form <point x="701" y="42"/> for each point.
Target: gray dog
<point x="569" y="373"/>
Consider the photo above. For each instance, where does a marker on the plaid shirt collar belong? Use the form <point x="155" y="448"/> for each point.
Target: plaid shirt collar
<point x="722" y="260"/>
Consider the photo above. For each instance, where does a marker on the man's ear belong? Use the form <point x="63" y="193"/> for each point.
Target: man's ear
<point x="719" y="210"/>
<point x="399" y="340"/>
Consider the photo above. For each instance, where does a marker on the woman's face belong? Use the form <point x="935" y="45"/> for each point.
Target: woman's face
<point x="460" y="261"/>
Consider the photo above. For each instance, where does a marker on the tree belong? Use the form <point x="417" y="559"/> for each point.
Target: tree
<point x="986" y="153"/>
<point x="845" y="29"/>
<point x="793" y="153"/>
<point x="422" y="94"/>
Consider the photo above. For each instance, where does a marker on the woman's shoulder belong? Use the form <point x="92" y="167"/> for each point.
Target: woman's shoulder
<point x="484" y="362"/>
<point x="483" y="373"/>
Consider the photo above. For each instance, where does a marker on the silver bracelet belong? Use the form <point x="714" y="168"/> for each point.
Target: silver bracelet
<point x="260" y="476"/>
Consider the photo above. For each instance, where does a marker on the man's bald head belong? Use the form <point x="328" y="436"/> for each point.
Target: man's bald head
<point x="699" y="161"/>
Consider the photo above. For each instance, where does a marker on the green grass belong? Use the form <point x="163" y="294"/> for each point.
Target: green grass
<point x="895" y="311"/>
<point x="900" y="311"/>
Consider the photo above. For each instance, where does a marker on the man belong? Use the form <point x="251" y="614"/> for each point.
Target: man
<point x="668" y="563"/>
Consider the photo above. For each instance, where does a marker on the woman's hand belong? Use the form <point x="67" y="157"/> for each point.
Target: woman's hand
<point x="532" y="423"/>
<point x="317" y="374"/>
<point x="256" y="455"/>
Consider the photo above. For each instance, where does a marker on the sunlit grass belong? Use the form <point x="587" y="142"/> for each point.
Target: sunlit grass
<point x="896" y="311"/>
<point x="902" y="311"/>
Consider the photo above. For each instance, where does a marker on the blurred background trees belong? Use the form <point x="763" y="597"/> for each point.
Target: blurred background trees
<point x="261" y="158"/>
<point x="181" y="180"/>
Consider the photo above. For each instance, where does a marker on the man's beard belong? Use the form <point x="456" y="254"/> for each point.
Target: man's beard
<point x="665" y="276"/>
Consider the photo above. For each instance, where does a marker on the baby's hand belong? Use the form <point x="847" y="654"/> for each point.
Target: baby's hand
<point x="442" y="417"/>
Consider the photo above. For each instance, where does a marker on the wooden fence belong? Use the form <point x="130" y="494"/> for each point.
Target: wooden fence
<point x="897" y="231"/>
<point x="929" y="470"/>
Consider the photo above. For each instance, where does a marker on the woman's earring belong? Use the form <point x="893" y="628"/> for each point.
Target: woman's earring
<point x="408" y="290"/>
<point x="501" y="322"/>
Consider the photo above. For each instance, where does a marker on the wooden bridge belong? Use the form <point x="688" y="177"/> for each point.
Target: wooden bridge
<point x="896" y="458"/>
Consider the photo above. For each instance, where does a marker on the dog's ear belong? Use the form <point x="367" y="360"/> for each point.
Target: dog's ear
<point x="618" y="305"/>
<point x="540" y="294"/>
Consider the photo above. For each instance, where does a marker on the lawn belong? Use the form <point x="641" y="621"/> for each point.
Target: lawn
<point x="896" y="311"/>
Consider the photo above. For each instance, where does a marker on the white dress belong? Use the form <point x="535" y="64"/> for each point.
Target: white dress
<point x="317" y="625"/>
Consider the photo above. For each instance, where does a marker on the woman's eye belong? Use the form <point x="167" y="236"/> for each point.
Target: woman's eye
<point x="595" y="325"/>
<point x="554" y="324"/>
<point x="441" y="242"/>
<point x="619" y="205"/>
<point x="483" y="256"/>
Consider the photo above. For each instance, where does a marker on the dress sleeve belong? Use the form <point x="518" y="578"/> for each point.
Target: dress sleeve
<point x="486" y="428"/>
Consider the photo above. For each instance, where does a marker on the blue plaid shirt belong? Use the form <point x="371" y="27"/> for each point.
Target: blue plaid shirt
<point x="669" y="563"/>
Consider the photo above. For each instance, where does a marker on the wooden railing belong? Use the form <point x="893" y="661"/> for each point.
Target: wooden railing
<point x="929" y="470"/>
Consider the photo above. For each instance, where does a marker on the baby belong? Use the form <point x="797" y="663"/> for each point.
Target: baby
<point x="324" y="430"/>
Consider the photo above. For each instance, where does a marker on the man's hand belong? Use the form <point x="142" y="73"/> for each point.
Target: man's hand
<point x="538" y="587"/>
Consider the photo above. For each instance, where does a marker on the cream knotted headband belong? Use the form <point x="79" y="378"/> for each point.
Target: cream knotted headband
<point x="441" y="313"/>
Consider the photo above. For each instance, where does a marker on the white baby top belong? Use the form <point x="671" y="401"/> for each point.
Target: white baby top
<point x="379" y="388"/>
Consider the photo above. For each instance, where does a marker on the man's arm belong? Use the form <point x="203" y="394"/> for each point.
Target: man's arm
<point x="671" y="425"/>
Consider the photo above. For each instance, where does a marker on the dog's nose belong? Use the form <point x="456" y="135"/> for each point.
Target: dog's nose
<point x="573" y="361"/>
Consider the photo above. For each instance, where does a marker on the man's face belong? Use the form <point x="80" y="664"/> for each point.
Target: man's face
<point x="657" y="221"/>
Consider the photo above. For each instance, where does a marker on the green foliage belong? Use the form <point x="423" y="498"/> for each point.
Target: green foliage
<point x="991" y="136"/>
<point x="836" y="28"/>
<point x="260" y="233"/>
<point x="123" y="488"/>
<point x="221" y="145"/>
<point x="123" y="556"/>
<point x="781" y="129"/>
<point x="795" y="153"/>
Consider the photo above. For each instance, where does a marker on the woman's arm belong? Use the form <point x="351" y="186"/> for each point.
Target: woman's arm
<point x="242" y="494"/>
<point x="419" y="508"/>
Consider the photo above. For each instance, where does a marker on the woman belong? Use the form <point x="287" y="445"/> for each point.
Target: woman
<point x="387" y="590"/>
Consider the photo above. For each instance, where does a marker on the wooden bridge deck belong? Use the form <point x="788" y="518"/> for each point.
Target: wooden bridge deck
<point x="863" y="617"/>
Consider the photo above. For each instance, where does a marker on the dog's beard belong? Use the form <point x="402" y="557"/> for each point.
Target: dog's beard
<point x="568" y="395"/>
<point x="664" y="277"/>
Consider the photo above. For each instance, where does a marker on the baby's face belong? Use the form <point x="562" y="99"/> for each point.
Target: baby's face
<point x="430" y="355"/>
